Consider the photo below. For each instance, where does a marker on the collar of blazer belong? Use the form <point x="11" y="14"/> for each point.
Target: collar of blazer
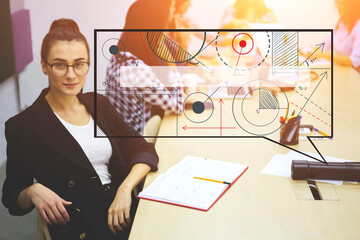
<point x="48" y="127"/>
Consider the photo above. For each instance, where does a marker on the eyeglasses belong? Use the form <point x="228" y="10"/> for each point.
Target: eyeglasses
<point x="61" y="69"/>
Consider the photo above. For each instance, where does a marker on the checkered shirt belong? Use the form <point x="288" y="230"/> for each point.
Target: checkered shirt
<point x="132" y="87"/>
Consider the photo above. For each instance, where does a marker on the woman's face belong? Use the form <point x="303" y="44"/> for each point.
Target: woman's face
<point x="63" y="53"/>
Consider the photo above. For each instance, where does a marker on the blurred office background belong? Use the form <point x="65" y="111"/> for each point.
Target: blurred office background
<point x="20" y="87"/>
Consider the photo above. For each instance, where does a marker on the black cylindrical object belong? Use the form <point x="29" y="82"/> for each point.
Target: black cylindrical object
<point x="345" y="171"/>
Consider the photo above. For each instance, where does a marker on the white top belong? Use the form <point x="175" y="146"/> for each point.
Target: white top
<point x="97" y="150"/>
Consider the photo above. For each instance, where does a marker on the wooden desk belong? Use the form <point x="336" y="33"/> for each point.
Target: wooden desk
<point x="261" y="206"/>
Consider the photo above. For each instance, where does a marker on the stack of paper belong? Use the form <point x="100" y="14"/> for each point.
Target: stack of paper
<point x="178" y="185"/>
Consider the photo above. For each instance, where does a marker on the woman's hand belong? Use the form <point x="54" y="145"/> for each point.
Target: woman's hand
<point x="49" y="204"/>
<point x="119" y="211"/>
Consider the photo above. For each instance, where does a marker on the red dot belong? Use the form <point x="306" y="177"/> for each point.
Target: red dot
<point x="242" y="43"/>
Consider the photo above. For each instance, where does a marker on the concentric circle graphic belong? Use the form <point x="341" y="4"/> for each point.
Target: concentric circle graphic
<point x="197" y="113"/>
<point x="261" y="115"/>
<point x="260" y="119"/>
<point x="111" y="47"/>
<point x="244" y="43"/>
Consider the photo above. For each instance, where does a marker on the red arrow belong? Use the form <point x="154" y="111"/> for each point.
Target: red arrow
<point x="221" y="103"/>
<point x="186" y="127"/>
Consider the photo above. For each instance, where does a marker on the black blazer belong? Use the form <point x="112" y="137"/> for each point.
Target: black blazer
<point x="40" y="147"/>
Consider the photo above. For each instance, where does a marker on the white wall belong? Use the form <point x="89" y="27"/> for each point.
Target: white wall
<point x="8" y="94"/>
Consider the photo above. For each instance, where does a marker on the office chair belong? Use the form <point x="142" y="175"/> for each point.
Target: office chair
<point x="42" y="232"/>
<point x="152" y="128"/>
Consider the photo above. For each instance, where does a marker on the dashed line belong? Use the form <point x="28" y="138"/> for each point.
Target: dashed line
<point x="311" y="114"/>
<point x="313" y="103"/>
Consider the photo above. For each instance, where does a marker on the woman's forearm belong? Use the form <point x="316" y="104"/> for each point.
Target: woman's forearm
<point x="137" y="173"/>
<point x="24" y="199"/>
<point x="343" y="60"/>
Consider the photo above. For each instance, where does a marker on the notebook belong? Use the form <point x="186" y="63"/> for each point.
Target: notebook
<point x="179" y="187"/>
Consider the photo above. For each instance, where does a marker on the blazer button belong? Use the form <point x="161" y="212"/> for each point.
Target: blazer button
<point x="82" y="236"/>
<point x="78" y="210"/>
<point x="71" y="184"/>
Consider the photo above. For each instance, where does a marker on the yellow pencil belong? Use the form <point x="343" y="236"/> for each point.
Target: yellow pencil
<point x="293" y="116"/>
<point x="212" y="180"/>
<point x="321" y="132"/>
<point x="287" y="110"/>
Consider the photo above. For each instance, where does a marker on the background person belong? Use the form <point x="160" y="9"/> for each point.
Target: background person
<point x="124" y="75"/>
